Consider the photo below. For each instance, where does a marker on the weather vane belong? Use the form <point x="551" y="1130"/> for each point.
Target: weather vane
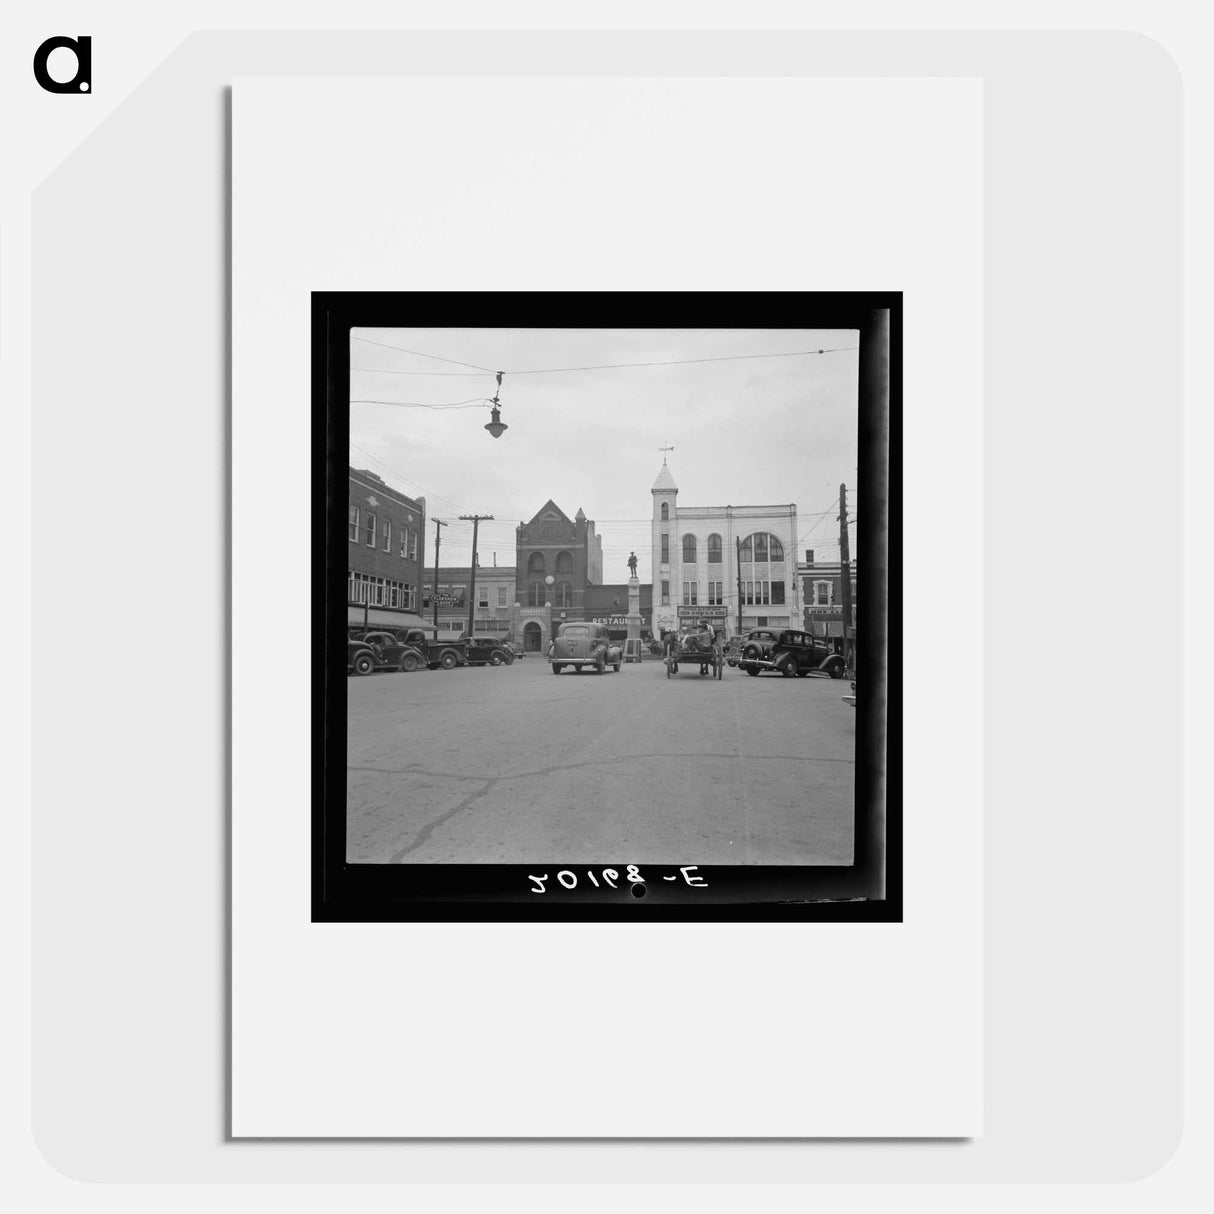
<point x="663" y="450"/>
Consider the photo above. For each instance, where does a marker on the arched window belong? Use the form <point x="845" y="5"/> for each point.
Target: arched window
<point x="689" y="549"/>
<point x="535" y="594"/>
<point x="536" y="564"/>
<point x="760" y="539"/>
<point x="776" y="548"/>
<point x="564" y="563"/>
<point x="665" y="511"/>
<point x="747" y="550"/>
<point x="563" y="596"/>
<point x="714" y="549"/>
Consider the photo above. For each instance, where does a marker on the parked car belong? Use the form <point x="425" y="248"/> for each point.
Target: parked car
<point x="487" y="651"/>
<point x="790" y="652"/>
<point x="437" y="654"/>
<point x="382" y="651"/>
<point x="581" y="644"/>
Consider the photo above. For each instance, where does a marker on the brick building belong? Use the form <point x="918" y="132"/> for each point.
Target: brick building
<point x="822" y="594"/>
<point x="384" y="549"/>
<point x="558" y="559"/>
<point x="494" y="594"/>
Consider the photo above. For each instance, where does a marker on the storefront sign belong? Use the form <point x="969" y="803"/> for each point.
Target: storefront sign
<point x="701" y="613"/>
<point x="446" y="598"/>
<point x="618" y="621"/>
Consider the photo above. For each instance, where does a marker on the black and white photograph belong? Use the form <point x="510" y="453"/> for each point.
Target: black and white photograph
<point x="604" y="596"/>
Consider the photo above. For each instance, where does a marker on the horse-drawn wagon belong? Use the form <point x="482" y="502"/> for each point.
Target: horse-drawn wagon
<point x="701" y="650"/>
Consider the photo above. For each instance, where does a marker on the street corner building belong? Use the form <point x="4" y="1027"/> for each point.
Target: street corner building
<point x="732" y="565"/>
<point x="385" y="545"/>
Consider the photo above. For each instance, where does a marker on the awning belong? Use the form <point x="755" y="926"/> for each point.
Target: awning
<point x="384" y="617"/>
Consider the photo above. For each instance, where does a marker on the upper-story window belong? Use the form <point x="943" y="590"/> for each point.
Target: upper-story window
<point x="714" y="549"/>
<point x="369" y="531"/>
<point x="536" y="564"/>
<point x="501" y="596"/>
<point x="563" y="594"/>
<point x="689" y="549"/>
<point x="665" y="548"/>
<point x="387" y="534"/>
<point x="665" y="512"/>
<point x="354" y="524"/>
<point x="564" y="563"/>
<point x="761" y="547"/>
<point x="482" y="596"/>
<point x="535" y="594"/>
<point x="823" y="594"/>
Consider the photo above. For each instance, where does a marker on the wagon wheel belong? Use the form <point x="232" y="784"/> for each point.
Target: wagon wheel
<point x="669" y="664"/>
<point x="720" y="664"/>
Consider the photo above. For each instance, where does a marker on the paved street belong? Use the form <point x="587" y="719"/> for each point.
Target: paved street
<point x="511" y="765"/>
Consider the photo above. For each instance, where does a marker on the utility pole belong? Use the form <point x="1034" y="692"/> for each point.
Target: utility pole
<point x="738" y="542"/>
<point x="438" y="535"/>
<point x="845" y="567"/>
<point x="475" y="520"/>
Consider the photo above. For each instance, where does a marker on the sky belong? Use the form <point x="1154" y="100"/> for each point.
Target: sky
<point x="747" y="431"/>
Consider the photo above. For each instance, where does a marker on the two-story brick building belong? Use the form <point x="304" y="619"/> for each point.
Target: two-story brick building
<point x="494" y="599"/>
<point x="385" y="540"/>
<point x="822" y="594"/>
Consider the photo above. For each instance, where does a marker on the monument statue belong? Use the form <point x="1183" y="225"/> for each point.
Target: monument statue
<point x="632" y="564"/>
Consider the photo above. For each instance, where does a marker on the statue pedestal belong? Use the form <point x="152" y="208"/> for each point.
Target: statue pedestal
<point x="634" y="609"/>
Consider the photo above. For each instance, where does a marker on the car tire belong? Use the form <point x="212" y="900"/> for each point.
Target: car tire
<point x="409" y="663"/>
<point x="600" y="666"/>
<point x="617" y="668"/>
<point x="836" y="670"/>
<point x="801" y="674"/>
<point x="556" y="668"/>
<point x="751" y="652"/>
<point x="364" y="664"/>
<point x="448" y="661"/>
<point x="790" y="668"/>
<point x="751" y="670"/>
<point x="495" y="660"/>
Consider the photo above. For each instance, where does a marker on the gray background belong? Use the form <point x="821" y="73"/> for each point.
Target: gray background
<point x="1082" y="754"/>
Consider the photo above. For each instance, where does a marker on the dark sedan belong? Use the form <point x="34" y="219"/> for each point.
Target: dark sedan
<point x="381" y="651"/>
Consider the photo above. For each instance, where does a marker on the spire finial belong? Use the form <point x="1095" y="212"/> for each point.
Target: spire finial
<point x="663" y="450"/>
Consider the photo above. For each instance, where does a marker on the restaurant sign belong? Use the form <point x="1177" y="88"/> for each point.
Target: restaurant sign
<point x="612" y="621"/>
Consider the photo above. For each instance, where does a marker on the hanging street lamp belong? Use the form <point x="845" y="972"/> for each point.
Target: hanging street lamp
<point x="496" y="426"/>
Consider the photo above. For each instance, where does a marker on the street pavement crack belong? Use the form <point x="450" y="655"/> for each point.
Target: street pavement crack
<point x="423" y="835"/>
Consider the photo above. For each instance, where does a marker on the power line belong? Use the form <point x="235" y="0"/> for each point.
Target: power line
<point x="471" y="403"/>
<point x="665" y="362"/>
<point x="680" y="362"/>
<point x="421" y="354"/>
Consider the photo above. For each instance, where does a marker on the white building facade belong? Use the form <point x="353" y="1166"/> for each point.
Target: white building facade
<point x="714" y="562"/>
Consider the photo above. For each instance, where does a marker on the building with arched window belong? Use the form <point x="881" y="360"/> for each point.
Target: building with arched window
<point x="733" y="565"/>
<point x="566" y="550"/>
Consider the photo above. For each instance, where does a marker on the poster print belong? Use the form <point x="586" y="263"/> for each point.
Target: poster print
<point x="607" y="594"/>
